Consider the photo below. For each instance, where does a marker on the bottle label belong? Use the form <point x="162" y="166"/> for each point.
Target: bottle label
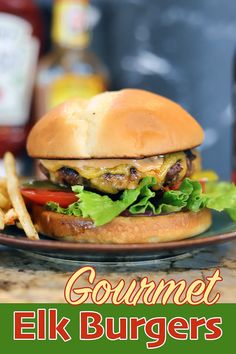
<point x="72" y="21"/>
<point x="70" y="86"/>
<point x="18" y="62"/>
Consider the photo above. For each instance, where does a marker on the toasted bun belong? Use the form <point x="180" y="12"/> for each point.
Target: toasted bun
<point x="135" y="229"/>
<point x="126" y="123"/>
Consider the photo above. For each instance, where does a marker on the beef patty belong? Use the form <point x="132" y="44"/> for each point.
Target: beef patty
<point x="111" y="182"/>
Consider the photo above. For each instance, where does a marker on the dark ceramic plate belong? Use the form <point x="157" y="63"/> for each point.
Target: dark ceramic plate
<point x="222" y="230"/>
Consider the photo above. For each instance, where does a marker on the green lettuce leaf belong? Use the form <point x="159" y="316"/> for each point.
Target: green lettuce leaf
<point x="221" y="196"/>
<point x="188" y="196"/>
<point x="102" y="209"/>
<point x="143" y="204"/>
<point x="73" y="209"/>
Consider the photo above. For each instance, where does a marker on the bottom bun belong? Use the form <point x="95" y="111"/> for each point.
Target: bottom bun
<point x="134" y="229"/>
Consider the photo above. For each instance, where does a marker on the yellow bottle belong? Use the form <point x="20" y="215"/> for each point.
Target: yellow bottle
<point x="70" y="69"/>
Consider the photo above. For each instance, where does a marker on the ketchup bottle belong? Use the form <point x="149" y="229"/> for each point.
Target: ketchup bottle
<point x="21" y="31"/>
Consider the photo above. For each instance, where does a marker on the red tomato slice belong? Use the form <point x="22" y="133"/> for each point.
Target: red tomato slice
<point x="176" y="186"/>
<point x="43" y="196"/>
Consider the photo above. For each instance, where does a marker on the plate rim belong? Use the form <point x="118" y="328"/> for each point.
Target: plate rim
<point x="55" y="245"/>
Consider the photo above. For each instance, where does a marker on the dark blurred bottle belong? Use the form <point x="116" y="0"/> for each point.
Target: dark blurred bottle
<point x="234" y="124"/>
<point x="20" y="34"/>
<point x="71" y="69"/>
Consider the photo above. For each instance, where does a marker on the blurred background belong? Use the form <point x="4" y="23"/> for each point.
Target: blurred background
<point x="185" y="50"/>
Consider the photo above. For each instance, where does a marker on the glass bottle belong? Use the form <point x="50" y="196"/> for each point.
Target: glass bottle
<point x="70" y="69"/>
<point x="234" y="123"/>
<point x="20" y="36"/>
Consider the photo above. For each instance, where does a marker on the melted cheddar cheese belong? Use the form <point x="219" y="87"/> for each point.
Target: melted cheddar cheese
<point x="94" y="170"/>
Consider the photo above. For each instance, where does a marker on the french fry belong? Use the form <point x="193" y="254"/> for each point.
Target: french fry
<point x="2" y="224"/>
<point x="2" y="182"/>
<point x="16" y="197"/>
<point x="3" y="189"/>
<point x="19" y="226"/>
<point x="4" y="202"/>
<point x="10" y="217"/>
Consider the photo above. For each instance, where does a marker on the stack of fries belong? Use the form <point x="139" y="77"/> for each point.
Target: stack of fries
<point x="12" y="206"/>
<point x="7" y="213"/>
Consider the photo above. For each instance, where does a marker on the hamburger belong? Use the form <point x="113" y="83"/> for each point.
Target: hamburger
<point x="121" y="167"/>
